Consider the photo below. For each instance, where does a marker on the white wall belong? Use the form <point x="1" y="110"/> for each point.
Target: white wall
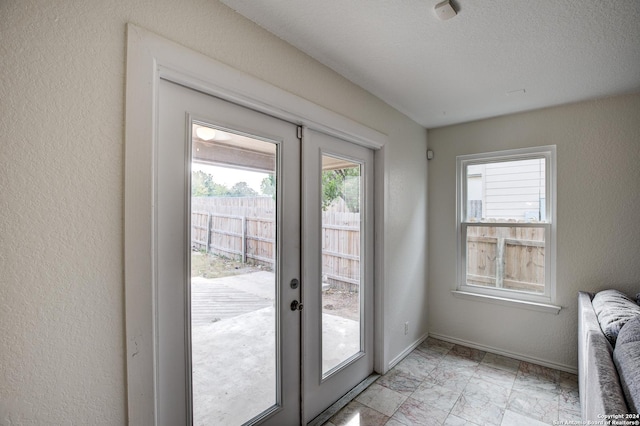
<point x="598" y="157"/>
<point x="61" y="204"/>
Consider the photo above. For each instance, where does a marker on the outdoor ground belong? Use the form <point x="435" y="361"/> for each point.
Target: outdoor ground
<point x="233" y="338"/>
<point x="341" y="303"/>
<point x="208" y="266"/>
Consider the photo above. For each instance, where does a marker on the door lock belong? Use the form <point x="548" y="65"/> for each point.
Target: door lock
<point x="296" y="306"/>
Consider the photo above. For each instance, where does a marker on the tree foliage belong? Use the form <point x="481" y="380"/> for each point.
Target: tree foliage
<point x="268" y="186"/>
<point x="202" y="185"/>
<point x="241" y="189"/>
<point x="341" y="183"/>
<point x="336" y="184"/>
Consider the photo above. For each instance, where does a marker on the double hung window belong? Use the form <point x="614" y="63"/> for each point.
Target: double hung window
<point x="506" y="224"/>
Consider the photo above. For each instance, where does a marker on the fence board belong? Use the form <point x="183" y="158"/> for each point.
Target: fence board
<point x="341" y="249"/>
<point x="199" y="233"/>
<point x="244" y="228"/>
<point x="507" y="257"/>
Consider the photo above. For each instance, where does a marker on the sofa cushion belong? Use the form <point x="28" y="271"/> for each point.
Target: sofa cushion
<point x="630" y="332"/>
<point x="613" y="310"/>
<point x="626" y="356"/>
<point x="600" y="389"/>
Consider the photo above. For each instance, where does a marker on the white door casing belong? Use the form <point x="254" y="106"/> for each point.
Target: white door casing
<point x="150" y="58"/>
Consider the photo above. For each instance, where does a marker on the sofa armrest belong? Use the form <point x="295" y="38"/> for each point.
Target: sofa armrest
<point x="600" y="390"/>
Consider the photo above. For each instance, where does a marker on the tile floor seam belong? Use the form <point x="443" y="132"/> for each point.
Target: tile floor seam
<point x="411" y="383"/>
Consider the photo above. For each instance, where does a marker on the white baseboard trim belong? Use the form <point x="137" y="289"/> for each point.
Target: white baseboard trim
<point x="342" y="402"/>
<point x="518" y="356"/>
<point x="406" y="352"/>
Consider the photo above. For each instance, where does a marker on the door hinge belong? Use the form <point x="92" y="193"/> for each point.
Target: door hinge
<point x="299" y="132"/>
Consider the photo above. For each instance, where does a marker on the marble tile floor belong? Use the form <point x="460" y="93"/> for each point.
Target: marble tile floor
<point x="440" y="383"/>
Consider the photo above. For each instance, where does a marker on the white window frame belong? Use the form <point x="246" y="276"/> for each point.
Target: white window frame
<point x="543" y="302"/>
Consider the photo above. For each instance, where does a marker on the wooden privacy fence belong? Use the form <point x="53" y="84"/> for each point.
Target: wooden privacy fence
<point x="251" y="238"/>
<point x="341" y="250"/>
<point x="506" y="257"/>
<point x="248" y="239"/>
<point x="263" y="206"/>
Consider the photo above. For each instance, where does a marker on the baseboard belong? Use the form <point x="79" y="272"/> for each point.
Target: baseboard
<point x="521" y="357"/>
<point x="324" y="417"/>
<point x="407" y="351"/>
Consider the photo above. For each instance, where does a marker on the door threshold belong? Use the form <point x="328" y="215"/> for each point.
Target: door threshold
<point x="342" y="402"/>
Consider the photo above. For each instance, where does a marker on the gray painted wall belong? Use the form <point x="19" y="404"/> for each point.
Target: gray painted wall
<point x="598" y="232"/>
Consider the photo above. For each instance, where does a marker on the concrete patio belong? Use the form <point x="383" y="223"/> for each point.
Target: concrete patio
<point x="233" y="347"/>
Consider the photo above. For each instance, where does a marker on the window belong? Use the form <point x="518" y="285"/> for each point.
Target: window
<point x="506" y="224"/>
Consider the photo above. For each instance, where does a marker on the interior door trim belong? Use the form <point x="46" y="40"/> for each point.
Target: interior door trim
<point x="150" y="57"/>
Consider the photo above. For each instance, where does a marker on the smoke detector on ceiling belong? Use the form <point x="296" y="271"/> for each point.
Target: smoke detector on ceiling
<point x="444" y="10"/>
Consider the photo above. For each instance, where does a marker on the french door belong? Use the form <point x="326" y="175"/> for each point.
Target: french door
<point x="233" y="309"/>
<point x="338" y="269"/>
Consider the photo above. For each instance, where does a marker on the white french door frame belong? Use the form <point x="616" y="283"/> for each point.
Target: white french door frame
<point x="149" y="58"/>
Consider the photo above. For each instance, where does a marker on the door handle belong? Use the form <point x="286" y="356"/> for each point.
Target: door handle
<point x="296" y="306"/>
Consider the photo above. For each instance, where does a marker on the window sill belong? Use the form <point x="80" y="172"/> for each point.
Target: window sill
<point x="533" y="306"/>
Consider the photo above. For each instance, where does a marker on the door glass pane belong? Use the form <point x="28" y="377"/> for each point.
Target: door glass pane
<point x="233" y="281"/>
<point x="341" y="266"/>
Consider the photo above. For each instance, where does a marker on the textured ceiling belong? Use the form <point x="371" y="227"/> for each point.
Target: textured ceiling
<point x="446" y="72"/>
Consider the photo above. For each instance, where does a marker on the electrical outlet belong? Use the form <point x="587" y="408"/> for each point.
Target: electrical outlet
<point x="406" y="328"/>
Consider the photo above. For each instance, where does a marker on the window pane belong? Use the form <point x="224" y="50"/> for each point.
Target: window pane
<point x="506" y="190"/>
<point x="506" y="257"/>
<point x="341" y="264"/>
<point x="233" y="281"/>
